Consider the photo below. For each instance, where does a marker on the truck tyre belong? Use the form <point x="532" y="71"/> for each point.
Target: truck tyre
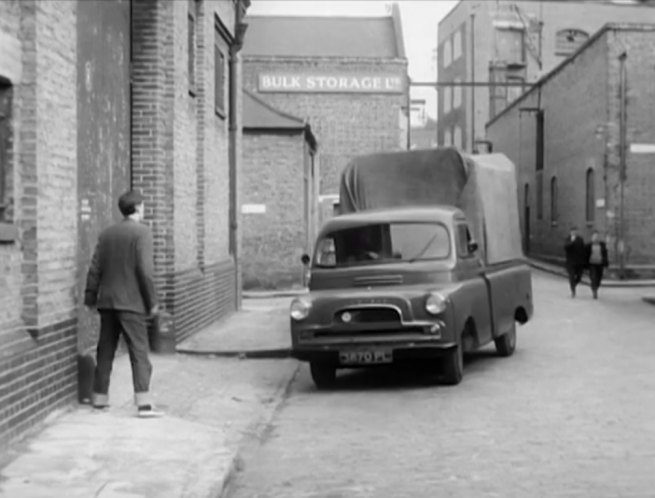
<point x="506" y="343"/>
<point x="453" y="365"/>
<point x="324" y="375"/>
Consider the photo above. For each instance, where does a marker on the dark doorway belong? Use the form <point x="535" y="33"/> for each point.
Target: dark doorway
<point x="104" y="138"/>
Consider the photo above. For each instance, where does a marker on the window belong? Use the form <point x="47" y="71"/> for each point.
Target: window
<point x="447" y="99"/>
<point x="463" y="240"/>
<point x="539" y="159"/>
<point x="383" y="243"/>
<point x="510" y="46"/>
<point x="514" y="92"/>
<point x="554" y="215"/>
<point x="457" y="94"/>
<point x="5" y="148"/>
<point x="447" y="53"/>
<point x="540" y="195"/>
<point x="457" y="137"/>
<point x="447" y="138"/>
<point x="567" y="41"/>
<point x="219" y="77"/>
<point x="191" y="44"/>
<point x="590" y="207"/>
<point x="457" y="44"/>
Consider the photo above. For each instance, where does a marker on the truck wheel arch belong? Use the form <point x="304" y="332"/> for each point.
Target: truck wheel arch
<point x="521" y="315"/>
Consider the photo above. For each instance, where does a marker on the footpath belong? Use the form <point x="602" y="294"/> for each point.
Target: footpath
<point x="647" y="285"/>
<point x="215" y="401"/>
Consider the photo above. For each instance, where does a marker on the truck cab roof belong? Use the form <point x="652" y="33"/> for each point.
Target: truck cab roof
<point x="408" y="214"/>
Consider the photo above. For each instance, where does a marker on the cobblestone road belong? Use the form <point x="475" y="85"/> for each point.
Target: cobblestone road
<point x="572" y="413"/>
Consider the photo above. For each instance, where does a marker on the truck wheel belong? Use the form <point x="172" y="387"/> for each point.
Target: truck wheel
<point x="324" y="375"/>
<point x="506" y="343"/>
<point x="453" y="366"/>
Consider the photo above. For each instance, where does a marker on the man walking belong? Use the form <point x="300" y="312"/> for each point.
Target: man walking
<point x="574" y="248"/>
<point x="596" y="254"/>
<point x="120" y="285"/>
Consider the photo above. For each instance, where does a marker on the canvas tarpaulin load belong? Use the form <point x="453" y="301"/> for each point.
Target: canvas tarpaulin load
<point x="483" y="186"/>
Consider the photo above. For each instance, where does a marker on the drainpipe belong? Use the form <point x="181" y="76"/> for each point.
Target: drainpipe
<point x="239" y="32"/>
<point x="473" y="80"/>
<point x="622" y="165"/>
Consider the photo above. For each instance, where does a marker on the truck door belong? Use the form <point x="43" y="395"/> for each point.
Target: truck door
<point x="470" y="272"/>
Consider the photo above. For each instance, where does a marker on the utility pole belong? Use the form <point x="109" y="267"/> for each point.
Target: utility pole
<point x="472" y="79"/>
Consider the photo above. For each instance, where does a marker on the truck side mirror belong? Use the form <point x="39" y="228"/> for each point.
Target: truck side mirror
<point x="473" y="246"/>
<point x="305" y="259"/>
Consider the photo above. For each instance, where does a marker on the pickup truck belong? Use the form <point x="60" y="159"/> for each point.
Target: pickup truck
<point x="406" y="283"/>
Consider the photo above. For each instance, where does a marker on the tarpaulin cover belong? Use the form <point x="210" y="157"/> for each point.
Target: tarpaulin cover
<point x="483" y="186"/>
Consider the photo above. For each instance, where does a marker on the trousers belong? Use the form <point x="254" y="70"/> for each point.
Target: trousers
<point x="575" y="274"/>
<point x="132" y="326"/>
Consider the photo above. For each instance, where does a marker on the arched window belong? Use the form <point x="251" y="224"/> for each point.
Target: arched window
<point x="590" y="196"/>
<point x="567" y="41"/>
<point x="554" y="214"/>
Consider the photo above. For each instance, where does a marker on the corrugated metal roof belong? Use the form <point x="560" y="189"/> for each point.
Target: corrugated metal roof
<point x="323" y="37"/>
<point x="259" y="114"/>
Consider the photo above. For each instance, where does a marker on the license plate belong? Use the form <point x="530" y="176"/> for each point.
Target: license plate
<point x="367" y="357"/>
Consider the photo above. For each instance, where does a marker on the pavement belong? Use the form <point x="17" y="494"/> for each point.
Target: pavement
<point x="648" y="286"/>
<point x="213" y="405"/>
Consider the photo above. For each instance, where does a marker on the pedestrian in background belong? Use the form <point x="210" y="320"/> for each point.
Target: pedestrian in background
<point x="120" y="285"/>
<point x="597" y="261"/>
<point x="576" y="258"/>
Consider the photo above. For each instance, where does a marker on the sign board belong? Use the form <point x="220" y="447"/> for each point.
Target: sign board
<point x="330" y="83"/>
<point x="253" y="208"/>
<point x="642" y="148"/>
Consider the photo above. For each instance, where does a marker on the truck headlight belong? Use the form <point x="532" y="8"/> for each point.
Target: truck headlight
<point x="435" y="303"/>
<point x="300" y="308"/>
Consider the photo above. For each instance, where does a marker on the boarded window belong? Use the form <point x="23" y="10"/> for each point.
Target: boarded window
<point x="5" y="148"/>
<point x="457" y="93"/>
<point x="590" y="196"/>
<point x="554" y="214"/>
<point x="457" y="44"/>
<point x="447" y="99"/>
<point x="191" y="43"/>
<point x="219" y="76"/>
<point x="510" y="46"/>
<point x="567" y="41"/>
<point x="457" y="137"/>
<point x="447" y="53"/>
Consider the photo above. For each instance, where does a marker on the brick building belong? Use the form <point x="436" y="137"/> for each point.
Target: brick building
<point x="279" y="195"/>
<point x="97" y="97"/>
<point x="566" y="136"/>
<point x="346" y="76"/>
<point x="509" y="42"/>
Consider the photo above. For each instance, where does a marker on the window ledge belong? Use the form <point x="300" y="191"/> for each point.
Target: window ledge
<point x="8" y="233"/>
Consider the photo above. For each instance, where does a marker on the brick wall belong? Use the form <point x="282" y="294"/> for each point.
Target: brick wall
<point x="38" y="344"/>
<point x="273" y="175"/>
<point x="345" y="125"/>
<point x="181" y="160"/>
<point x="578" y="101"/>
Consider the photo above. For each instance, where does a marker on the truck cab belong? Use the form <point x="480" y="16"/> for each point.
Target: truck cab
<point x="405" y="284"/>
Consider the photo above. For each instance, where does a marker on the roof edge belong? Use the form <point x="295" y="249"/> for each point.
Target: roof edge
<point x="396" y="19"/>
<point x="259" y="100"/>
<point x="611" y="26"/>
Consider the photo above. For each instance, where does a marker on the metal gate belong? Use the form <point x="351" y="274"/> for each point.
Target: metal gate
<point x="103" y="143"/>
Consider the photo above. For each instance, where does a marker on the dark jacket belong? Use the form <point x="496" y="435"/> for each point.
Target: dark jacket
<point x="576" y="253"/>
<point x="603" y="253"/>
<point x="121" y="273"/>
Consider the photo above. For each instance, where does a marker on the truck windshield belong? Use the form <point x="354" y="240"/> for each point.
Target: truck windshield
<point x="383" y="243"/>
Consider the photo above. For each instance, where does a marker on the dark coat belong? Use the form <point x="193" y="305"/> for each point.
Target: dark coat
<point x="121" y="273"/>
<point x="603" y="253"/>
<point x="576" y="252"/>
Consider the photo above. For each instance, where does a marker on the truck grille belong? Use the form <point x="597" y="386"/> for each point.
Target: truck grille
<point x="368" y="315"/>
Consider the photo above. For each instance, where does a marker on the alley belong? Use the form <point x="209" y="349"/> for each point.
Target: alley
<point x="570" y="414"/>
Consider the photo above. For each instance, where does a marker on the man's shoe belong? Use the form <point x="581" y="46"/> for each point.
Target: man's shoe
<point x="148" y="411"/>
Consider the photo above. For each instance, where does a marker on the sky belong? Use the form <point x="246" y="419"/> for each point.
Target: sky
<point x="419" y="19"/>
